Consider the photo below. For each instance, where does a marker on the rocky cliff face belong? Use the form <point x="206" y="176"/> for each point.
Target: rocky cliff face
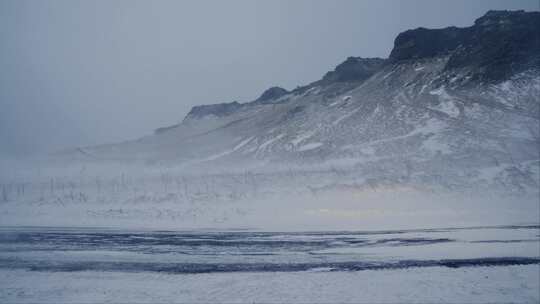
<point x="354" y="69"/>
<point x="458" y="107"/>
<point x="220" y="109"/>
<point x="499" y="44"/>
<point x="351" y="72"/>
<point x="270" y="94"/>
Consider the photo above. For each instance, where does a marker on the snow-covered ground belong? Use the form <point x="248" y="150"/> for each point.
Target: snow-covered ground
<point x="458" y="265"/>
<point x="511" y="284"/>
<point x="273" y="199"/>
<point x="118" y="233"/>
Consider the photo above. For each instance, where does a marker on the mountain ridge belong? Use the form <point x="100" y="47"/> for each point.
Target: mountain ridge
<point x="422" y="43"/>
<point x="413" y="120"/>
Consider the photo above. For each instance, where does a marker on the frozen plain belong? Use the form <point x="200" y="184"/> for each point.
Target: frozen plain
<point x="294" y="236"/>
<point x="455" y="265"/>
<point x="510" y="284"/>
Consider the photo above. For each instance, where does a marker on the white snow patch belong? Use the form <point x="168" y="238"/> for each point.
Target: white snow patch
<point x="337" y="121"/>
<point x="387" y="75"/>
<point x="368" y="150"/>
<point x="309" y="146"/>
<point x="270" y="141"/>
<point x="335" y="103"/>
<point x="432" y="144"/>
<point x="243" y="143"/>
<point x="221" y="154"/>
<point x="490" y="173"/>
<point x="446" y="104"/>
<point x="430" y="126"/>
<point x="506" y="86"/>
<point x="449" y="108"/>
<point x="312" y="91"/>
<point x="510" y="284"/>
<point x="217" y="155"/>
<point x="302" y="136"/>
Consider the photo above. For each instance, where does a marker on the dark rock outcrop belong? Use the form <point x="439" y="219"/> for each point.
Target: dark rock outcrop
<point x="270" y="94"/>
<point x="498" y="45"/>
<point x="354" y="69"/>
<point x="220" y="109"/>
<point x="425" y="43"/>
<point x="165" y="129"/>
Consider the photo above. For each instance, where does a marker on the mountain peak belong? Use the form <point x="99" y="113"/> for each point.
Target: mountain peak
<point x="219" y="109"/>
<point x="498" y="45"/>
<point x="407" y="120"/>
<point x="354" y="69"/>
<point x="271" y="94"/>
<point x="500" y="17"/>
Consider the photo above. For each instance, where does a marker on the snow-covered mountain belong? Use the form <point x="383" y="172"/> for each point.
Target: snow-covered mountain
<point x="453" y="106"/>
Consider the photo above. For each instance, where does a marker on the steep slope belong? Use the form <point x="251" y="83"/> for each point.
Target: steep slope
<point x="453" y="106"/>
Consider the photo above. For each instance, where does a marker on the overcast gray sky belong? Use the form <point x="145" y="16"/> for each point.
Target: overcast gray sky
<point x="86" y="72"/>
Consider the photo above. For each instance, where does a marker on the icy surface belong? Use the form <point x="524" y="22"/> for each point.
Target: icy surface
<point x="480" y="265"/>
